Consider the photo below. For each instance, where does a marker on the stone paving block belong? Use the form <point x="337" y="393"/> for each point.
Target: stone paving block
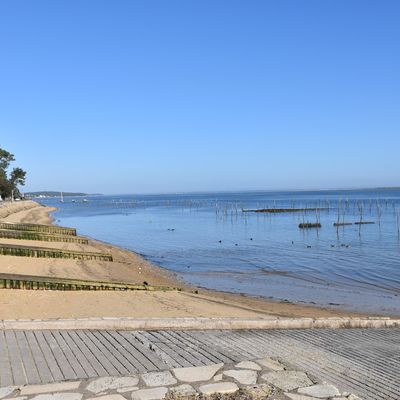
<point x="220" y="387"/>
<point x="320" y="391"/>
<point x="127" y="389"/>
<point x="353" y="397"/>
<point x="243" y="376"/>
<point x="111" y="383"/>
<point x="287" y="380"/>
<point x="7" y="390"/>
<point x="261" y="391"/>
<point x="271" y="364"/>
<point x="163" y="378"/>
<point x="108" y="397"/>
<point x="218" y="378"/>
<point x="295" y="396"/>
<point x="183" y="390"/>
<point x="58" y="396"/>
<point x="150" y="394"/>
<point x="197" y="374"/>
<point x="49" y="388"/>
<point x="248" y="365"/>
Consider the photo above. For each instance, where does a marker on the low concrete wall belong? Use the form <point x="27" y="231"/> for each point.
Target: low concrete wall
<point x="199" y="323"/>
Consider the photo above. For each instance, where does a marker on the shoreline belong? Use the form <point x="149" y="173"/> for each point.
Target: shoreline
<point x="134" y="268"/>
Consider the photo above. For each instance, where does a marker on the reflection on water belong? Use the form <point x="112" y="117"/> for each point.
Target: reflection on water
<point x="209" y="241"/>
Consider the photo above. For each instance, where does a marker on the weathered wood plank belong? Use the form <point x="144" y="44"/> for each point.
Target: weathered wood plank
<point x="195" y="348"/>
<point x="88" y="353"/>
<point x="184" y="351"/>
<point x="209" y="349"/>
<point x="171" y="349"/>
<point x="119" y="359"/>
<point x="105" y="363"/>
<point x="144" y="354"/>
<point x="31" y="371"/>
<point x="213" y="342"/>
<point x="5" y="365"/>
<point x="40" y="361"/>
<point x="62" y="361"/>
<point x="165" y="357"/>
<point x="127" y="352"/>
<point x="83" y="361"/>
<point x="73" y="362"/>
<point x="49" y="356"/>
<point x="18" y="372"/>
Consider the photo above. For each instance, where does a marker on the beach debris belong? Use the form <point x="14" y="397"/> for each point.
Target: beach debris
<point x="219" y="241"/>
<point x="251" y="238"/>
<point x="307" y="225"/>
<point x="145" y="283"/>
<point x="308" y="247"/>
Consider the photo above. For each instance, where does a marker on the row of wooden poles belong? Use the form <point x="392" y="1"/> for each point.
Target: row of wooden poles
<point x="44" y="237"/>
<point x="39" y="228"/>
<point x="47" y="233"/>
<point x="23" y="251"/>
<point x="54" y="233"/>
<point x="53" y="284"/>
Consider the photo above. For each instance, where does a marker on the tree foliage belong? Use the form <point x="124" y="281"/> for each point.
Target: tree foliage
<point x="9" y="181"/>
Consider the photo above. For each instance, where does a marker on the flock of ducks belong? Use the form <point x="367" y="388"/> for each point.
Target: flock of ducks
<point x="308" y="246"/>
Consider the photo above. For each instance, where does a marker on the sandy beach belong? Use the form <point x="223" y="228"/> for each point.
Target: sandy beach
<point x="127" y="266"/>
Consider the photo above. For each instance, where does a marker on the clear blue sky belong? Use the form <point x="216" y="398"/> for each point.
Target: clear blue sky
<point x="162" y="96"/>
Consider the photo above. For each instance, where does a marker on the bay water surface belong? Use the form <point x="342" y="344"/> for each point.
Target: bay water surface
<point x="209" y="241"/>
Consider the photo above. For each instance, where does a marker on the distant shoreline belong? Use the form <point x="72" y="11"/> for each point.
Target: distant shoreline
<point x="368" y="189"/>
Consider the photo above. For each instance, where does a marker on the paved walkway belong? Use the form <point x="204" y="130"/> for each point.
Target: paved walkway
<point x="361" y="361"/>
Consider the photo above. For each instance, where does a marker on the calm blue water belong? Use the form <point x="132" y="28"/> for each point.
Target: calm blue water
<point x="353" y="267"/>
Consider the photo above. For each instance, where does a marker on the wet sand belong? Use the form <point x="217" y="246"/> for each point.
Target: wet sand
<point x="126" y="267"/>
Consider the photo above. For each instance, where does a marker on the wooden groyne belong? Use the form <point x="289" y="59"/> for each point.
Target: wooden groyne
<point x="38" y="228"/>
<point x="307" y="225"/>
<point x="41" y="236"/>
<point x="342" y="223"/>
<point x="28" y="282"/>
<point x="41" y="252"/>
<point x="285" y="210"/>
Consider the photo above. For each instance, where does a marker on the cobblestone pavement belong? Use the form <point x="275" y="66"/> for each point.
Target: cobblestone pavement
<point x="263" y="378"/>
<point x="365" y="362"/>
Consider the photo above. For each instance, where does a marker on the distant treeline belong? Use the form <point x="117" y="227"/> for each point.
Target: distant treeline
<point x="54" y="194"/>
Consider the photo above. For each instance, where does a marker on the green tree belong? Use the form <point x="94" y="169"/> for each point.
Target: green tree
<point x="5" y="159"/>
<point x="9" y="183"/>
